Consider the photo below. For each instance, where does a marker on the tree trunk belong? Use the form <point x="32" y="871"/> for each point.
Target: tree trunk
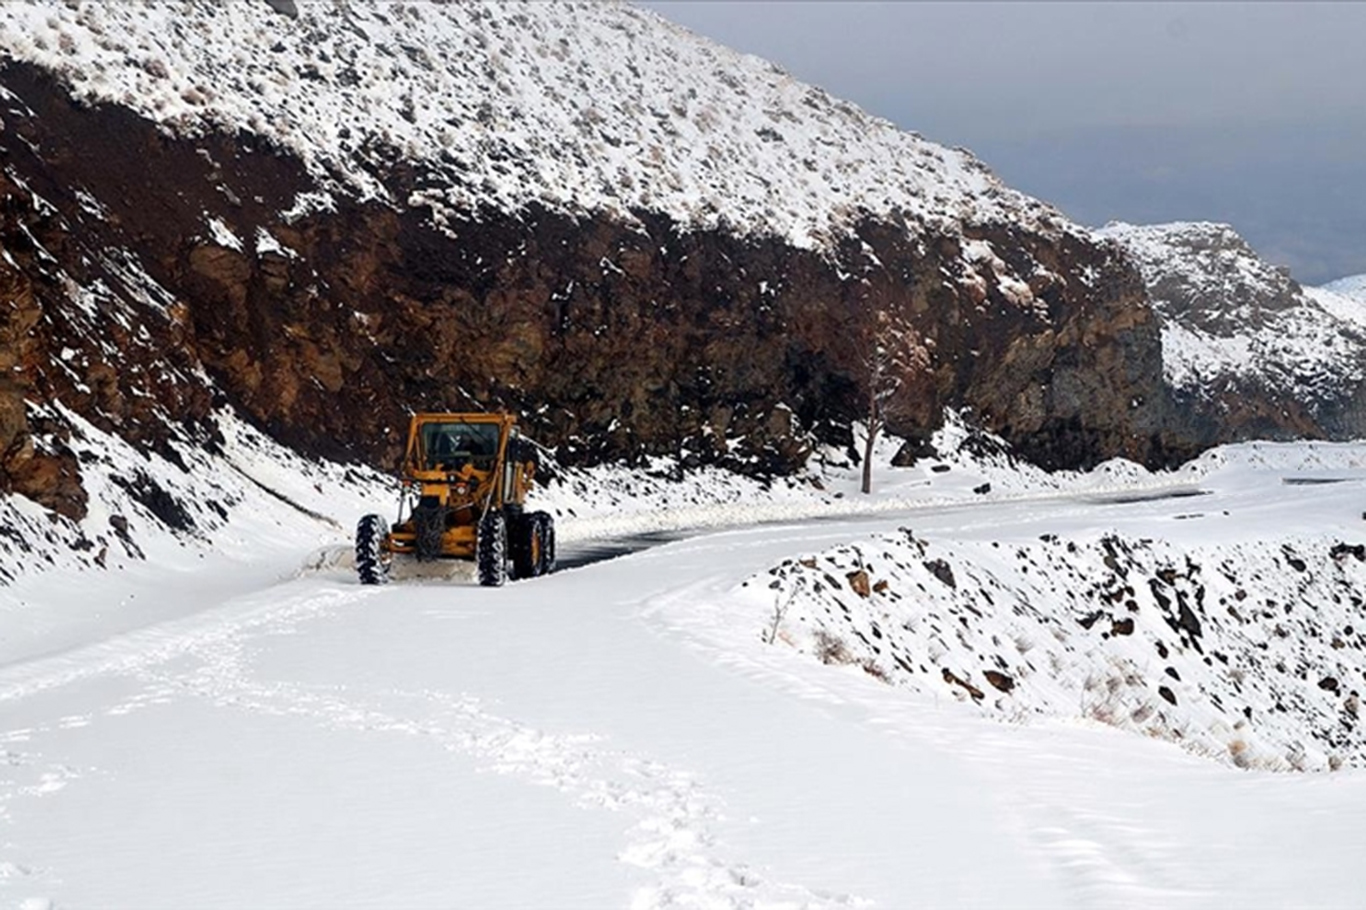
<point x="868" y="463"/>
<point x="874" y="427"/>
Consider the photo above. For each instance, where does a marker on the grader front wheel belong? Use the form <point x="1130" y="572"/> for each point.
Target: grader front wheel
<point x="372" y="557"/>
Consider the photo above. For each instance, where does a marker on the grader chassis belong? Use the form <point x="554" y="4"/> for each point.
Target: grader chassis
<point x="465" y="478"/>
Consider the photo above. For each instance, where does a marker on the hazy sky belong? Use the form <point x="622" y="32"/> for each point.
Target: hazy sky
<point x="1250" y="113"/>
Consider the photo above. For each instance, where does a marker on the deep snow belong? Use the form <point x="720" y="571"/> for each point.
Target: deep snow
<point x="234" y="722"/>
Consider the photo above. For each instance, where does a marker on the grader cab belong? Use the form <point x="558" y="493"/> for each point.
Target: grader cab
<point x="465" y="478"/>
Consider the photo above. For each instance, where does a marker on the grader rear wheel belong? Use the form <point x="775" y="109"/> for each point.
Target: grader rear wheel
<point x="528" y="550"/>
<point x="546" y="524"/>
<point x="491" y="550"/>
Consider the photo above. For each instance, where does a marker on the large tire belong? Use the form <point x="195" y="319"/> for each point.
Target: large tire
<point x="528" y="547"/>
<point x="547" y="525"/>
<point x="372" y="559"/>
<point x="491" y="550"/>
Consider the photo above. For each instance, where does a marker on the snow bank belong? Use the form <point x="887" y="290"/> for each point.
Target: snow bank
<point x="1244" y="641"/>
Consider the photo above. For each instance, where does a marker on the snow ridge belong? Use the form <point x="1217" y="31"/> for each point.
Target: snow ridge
<point x="1353" y="286"/>
<point x="578" y="107"/>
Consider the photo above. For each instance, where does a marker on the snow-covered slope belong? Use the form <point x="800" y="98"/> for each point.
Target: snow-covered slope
<point x="1353" y="286"/>
<point x="1234" y="638"/>
<point x="1231" y="320"/>
<point x="328" y="214"/>
<point x="579" y="107"/>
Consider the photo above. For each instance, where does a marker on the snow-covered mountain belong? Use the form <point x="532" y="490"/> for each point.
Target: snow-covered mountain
<point x="1242" y="343"/>
<point x="318" y="216"/>
<point x="324" y="214"/>
<point x="306" y="218"/>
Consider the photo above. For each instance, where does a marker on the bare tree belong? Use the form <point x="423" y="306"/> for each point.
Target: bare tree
<point x="892" y="352"/>
<point x="780" y="608"/>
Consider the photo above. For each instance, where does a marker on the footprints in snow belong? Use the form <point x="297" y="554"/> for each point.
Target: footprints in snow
<point x="672" y="836"/>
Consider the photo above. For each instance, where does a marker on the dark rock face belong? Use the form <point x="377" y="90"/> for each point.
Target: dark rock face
<point x="151" y="282"/>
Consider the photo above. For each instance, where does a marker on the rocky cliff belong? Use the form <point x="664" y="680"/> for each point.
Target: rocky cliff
<point x="1247" y="352"/>
<point x="325" y="216"/>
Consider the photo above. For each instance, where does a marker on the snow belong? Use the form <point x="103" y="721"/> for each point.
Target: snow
<point x="1343" y="302"/>
<point x="1353" y="286"/>
<point x="202" y="708"/>
<point x="578" y="107"/>
<point x="223" y="235"/>
<point x="234" y="722"/>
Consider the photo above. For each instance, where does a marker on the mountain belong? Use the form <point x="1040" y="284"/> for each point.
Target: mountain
<point x="323" y="215"/>
<point x="1353" y="286"/>
<point x="1247" y="352"/>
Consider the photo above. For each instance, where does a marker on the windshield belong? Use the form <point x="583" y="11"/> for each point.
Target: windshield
<point x="451" y="446"/>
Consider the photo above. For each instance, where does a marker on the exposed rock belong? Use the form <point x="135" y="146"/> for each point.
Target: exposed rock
<point x="955" y="680"/>
<point x="942" y="571"/>
<point x="999" y="680"/>
<point x="285" y="7"/>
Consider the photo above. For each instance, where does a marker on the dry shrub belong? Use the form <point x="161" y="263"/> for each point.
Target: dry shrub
<point x="872" y="668"/>
<point x="830" y="649"/>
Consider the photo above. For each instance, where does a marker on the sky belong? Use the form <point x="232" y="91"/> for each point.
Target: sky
<point x="1252" y="114"/>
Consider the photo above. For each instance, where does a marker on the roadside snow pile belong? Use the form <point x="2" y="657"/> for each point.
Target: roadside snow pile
<point x="1229" y="315"/>
<point x="1250" y="647"/>
<point x="579" y="107"/>
<point x="967" y="465"/>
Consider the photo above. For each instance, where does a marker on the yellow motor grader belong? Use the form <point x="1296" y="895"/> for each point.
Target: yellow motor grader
<point x="465" y="478"/>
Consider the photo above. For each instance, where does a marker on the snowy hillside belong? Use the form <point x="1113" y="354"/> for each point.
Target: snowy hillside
<point x="325" y="215"/>
<point x="1230" y="317"/>
<point x="985" y="685"/>
<point x="1236" y="639"/>
<point x="640" y="732"/>
<point x="578" y="107"/>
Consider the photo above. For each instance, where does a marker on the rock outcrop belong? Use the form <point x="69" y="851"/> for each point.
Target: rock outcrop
<point x="211" y="256"/>
<point x="1247" y="352"/>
